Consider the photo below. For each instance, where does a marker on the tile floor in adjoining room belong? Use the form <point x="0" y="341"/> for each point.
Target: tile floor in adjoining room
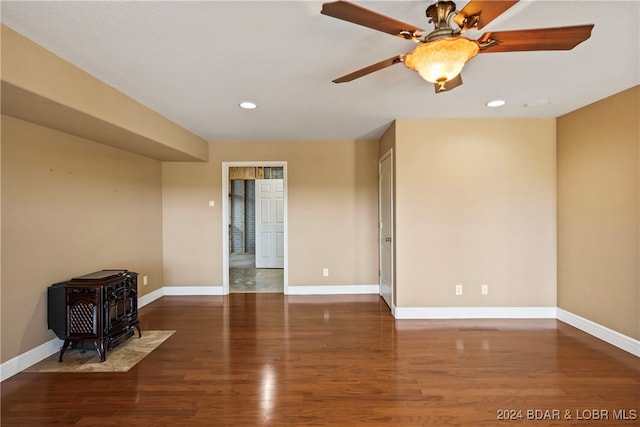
<point x="244" y="277"/>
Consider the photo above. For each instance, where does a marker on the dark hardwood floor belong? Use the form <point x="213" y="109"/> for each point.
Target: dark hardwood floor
<point x="269" y="359"/>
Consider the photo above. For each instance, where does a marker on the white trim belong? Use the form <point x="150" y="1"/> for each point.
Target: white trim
<point x="225" y="218"/>
<point x="474" y="312"/>
<point x="333" y="290"/>
<point x="394" y="311"/>
<point x="150" y="297"/>
<point x="192" y="290"/>
<point x="29" y="358"/>
<point x="602" y="332"/>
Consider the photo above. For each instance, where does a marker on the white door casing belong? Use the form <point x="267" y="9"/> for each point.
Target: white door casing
<point x="269" y="223"/>
<point x="226" y="209"/>
<point x="385" y="236"/>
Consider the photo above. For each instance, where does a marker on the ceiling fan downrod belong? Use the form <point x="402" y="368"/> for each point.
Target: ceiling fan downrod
<point x="440" y="14"/>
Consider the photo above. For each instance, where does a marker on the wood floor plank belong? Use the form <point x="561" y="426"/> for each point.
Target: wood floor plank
<point x="270" y="359"/>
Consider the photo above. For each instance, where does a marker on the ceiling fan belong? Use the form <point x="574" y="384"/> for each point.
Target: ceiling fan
<point x="442" y="53"/>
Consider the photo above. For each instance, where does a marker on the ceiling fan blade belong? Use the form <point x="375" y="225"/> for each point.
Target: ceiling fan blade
<point x="478" y="13"/>
<point x="561" y="38"/>
<point x="449" y="84"/>
<point x="368" y="70"/>
<point x="359" y="15"/>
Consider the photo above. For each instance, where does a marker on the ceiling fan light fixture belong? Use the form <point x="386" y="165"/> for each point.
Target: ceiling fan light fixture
<point x="441" y="60"/>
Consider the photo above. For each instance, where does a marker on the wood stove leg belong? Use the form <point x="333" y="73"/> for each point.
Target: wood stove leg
<point x="63" y="349"/>
<point x="139" y="333"/>
<point x="102" y="350"/>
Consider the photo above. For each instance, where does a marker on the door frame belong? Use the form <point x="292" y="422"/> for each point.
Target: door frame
<point x="225" y="218"/>
<point x="389" y="155"/>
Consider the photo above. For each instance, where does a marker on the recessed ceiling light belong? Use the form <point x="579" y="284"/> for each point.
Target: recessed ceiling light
<point x="496" y="103"/>
<point x="248" y="105"/>
<point x="536" y="103"/>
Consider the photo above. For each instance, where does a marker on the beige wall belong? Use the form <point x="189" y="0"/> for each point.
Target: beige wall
<point x="475" y="204"/>
<point x="332" y="212"/>
<point x="69" y="207"/>
<point x="599" y="213"/>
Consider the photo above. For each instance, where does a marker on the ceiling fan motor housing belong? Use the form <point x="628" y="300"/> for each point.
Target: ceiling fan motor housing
<point x="440" y="15"/>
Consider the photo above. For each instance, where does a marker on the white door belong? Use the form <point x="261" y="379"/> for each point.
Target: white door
<point x="269" y="223"/>
<point x="385" y="206"/>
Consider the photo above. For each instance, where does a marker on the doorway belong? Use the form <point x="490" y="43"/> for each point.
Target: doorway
<point x="244" y="201"/>
<point x="386" y="235"/>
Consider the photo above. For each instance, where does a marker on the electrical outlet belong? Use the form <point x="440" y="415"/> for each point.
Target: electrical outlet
<point x="145" y="281"/>
<point x="325" y="272"/>
<point x="458" y="289"/>
<point x="484" y="289"/>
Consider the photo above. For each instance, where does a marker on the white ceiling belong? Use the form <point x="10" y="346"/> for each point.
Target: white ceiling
<point x="194" y="62"/>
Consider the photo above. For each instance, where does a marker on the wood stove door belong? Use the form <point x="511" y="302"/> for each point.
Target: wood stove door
<point x="83" y="320"/>
<point x="122" y="301"/>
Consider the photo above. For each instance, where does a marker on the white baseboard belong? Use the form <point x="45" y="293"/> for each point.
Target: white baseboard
<point x="29" y="358"/>
<point x="150" y="297"/>
<point x="192" y="290"/>
<point x="292" y="290"/>
<point x="333" y="290"/>
<point x="605" y="334"/>
<point x="178" y="291"/>
<point x="474" y="312"/>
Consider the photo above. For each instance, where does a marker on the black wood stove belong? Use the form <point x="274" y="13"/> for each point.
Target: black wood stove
<point x="99" y="308"/>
